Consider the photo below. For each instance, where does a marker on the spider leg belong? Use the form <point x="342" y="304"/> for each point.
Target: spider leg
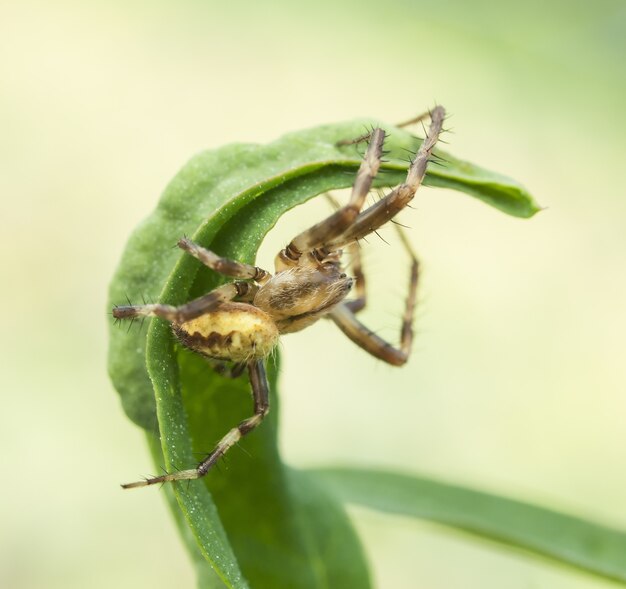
<point x="366" y="136"/>
<point x="414" y="120"/>
<point x="260" y="395"/>
<point x="222" y="265"/>
<point x="227" y="369"/>
<point x="363" y="337"/>
<point x="385" y="209"/>
<point x="358" y="304"/>
<point x="354" y="253"/>
<point x="334" y="225"/>
<point x="190" y="310"/>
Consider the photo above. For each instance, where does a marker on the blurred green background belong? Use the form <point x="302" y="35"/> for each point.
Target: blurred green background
<point x="517" y="383"/>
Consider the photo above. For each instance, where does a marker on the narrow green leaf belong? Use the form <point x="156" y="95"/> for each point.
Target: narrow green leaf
<point x="570" y="540"/>
<point x="252" y="521"/>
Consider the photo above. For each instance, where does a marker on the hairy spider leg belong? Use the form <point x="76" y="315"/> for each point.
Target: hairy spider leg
<point x="418" y="119"/>
<point x="345" y="318"/>
<point x="190" y="310"/>
<point x="223" y="265"/>
<point x="354" y="254"/>
<point x="369" y="221"/>
<point x="260" y="396"/>
<point x="358" y="304"/>
<point x="388" y="207"/>
<point x="334" y="225"/>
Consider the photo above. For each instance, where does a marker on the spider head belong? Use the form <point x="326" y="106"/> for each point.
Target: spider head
<point x="299" y="296"/>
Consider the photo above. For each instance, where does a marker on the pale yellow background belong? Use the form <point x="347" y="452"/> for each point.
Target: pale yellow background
<point x="517" y="383"/>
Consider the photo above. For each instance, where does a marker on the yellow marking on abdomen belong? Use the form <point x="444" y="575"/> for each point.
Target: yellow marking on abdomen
<point x="235" y="331"/>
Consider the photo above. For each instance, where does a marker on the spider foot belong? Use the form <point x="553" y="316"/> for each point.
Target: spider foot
<point x="182" y="475"/>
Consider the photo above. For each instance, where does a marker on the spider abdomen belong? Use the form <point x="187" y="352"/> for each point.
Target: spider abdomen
<point x="235" y="331"/>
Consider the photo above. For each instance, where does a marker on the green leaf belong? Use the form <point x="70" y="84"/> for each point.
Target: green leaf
<point x="570" y="540"/>
<point x="254" y="519"/>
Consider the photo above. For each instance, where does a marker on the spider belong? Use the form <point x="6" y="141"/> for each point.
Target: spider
<point x="241" y="321"/>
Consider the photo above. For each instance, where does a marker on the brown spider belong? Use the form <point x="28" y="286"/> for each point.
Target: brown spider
<point x="307" y="285"/>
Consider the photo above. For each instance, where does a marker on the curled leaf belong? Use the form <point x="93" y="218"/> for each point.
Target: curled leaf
<point x="257" y="523"/>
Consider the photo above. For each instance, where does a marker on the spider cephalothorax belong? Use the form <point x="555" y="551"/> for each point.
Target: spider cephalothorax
<point x="241" y="321"/>
<point x="297" y="297"/>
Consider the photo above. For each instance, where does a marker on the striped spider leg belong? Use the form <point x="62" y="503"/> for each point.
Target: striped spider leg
<point x="260" y="396"/>
<point x="344" y="315"/>
<point x="367" y="222"/>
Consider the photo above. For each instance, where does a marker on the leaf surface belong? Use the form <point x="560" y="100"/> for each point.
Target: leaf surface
<point x="570" y="540"/>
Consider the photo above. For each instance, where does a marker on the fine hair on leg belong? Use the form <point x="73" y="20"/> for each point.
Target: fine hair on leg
<point x="188" y="311"/>
<point x="222" y="265"/>
<point x="260" y="396"/>
<point x="363" y="337"/>
<point x="334" y="225"/>
<point x="388" y="207"/>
